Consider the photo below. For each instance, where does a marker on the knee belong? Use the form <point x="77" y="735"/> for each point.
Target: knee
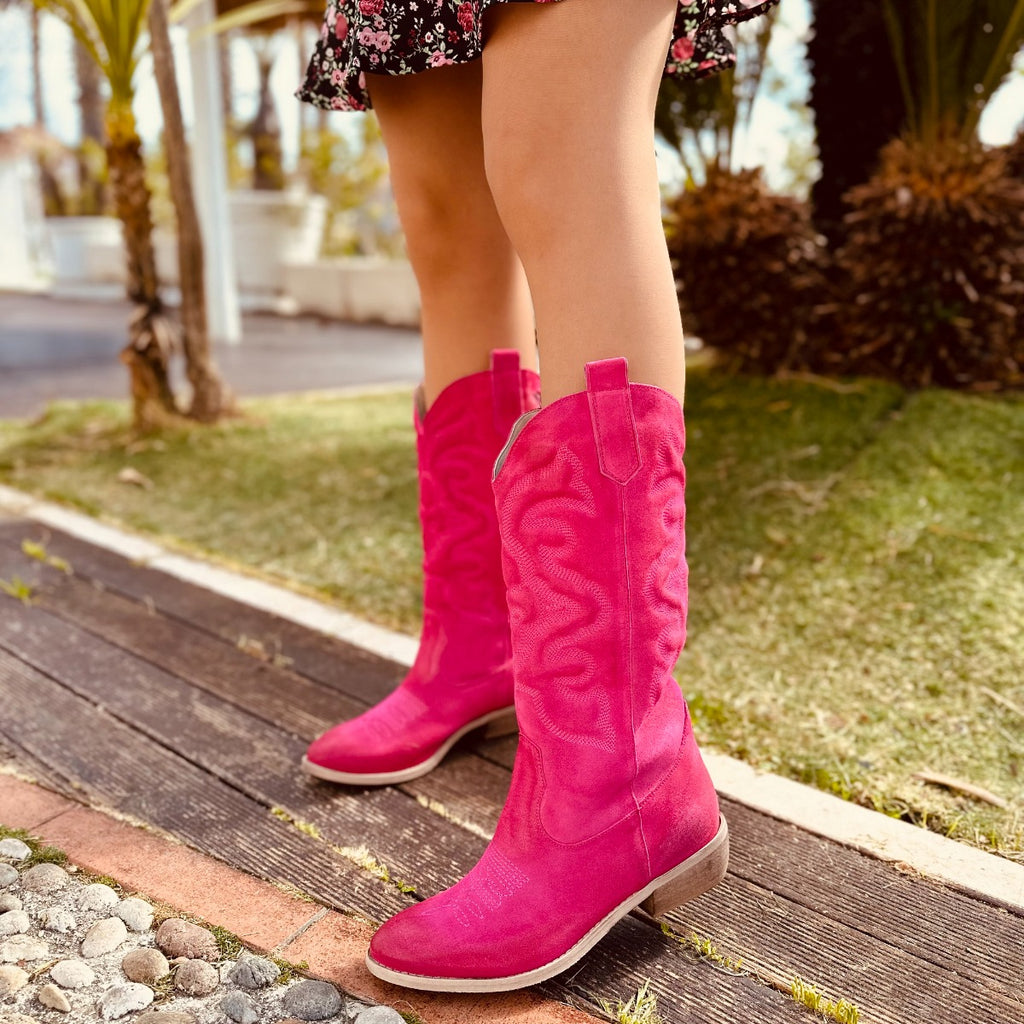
<point x="525" y="178"/>
<point x="432" y="214"/>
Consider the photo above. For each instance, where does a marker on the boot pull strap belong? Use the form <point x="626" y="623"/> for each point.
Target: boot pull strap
<point x="611" y="413"/>
<point x="506" y="389"/>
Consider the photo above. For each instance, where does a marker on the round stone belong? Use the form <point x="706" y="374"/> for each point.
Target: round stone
<point x="135" y="913"/>
<point x="165" y="1017"/>
<point x="7" y="875"/>
<point x="72" y="974"/>
<point x="98" y="897"/>
<point x="239" y="1008"/>
<point x="145" y="965"/>
<point x="312" y="1000"/>
<point x="104" y="937"/>
<point x="122" y="999"/>
<point x="181" y="938"/>
<point x="14" y="922"/>
<point x="44" y="878"/>
<point x="378" y="1015"/>
<point x="254" y="972"/>
<point x="57" y="919"/>
<point x="14" y="849"/>
<point x="52" y="997"/>
<point x="22" y="947"/>
<point x="196" y="978"/>
<point x="9" y="902"/>
<point x="12" y="979"/>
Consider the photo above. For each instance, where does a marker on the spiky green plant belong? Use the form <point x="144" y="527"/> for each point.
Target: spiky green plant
<point x="750" y="269"/>
<point x="951" y="56"/>
<point x="934" y="268"/>
<point x="933" y="256"/>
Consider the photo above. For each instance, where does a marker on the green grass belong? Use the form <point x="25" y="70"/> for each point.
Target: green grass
<point x="41" y="853"/>
<point x="641" y="1008"/>
<point x="857" y="594"/>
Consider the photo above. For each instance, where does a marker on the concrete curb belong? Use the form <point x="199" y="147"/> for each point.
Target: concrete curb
<point x="945" y="860"/>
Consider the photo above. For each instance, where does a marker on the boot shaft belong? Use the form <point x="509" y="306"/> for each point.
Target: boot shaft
<point x="590" y="494"/>
<point x="465" y="617"/>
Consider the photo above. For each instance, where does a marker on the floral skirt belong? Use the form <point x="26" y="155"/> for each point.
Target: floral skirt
<point x="400" y="37"/>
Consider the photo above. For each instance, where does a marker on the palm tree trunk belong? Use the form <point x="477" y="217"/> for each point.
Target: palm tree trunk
<point x="210" y="398"/>
<point x="54" y="201"/>
<point x="90" y="105"/>
<point x="265" y="129"/>
<point x="151" y="337"/>
<point x="857" y="102"/>
<point x="38" y="113"/>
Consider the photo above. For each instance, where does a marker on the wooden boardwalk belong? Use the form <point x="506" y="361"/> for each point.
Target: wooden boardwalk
<point x="134" y="690"/>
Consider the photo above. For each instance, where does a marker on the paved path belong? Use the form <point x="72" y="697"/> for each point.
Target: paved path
<point x="129" y="688"/>
<point x="67" y="348"/>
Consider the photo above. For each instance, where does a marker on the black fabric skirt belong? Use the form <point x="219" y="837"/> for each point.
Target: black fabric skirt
<point x="401" y="37"/>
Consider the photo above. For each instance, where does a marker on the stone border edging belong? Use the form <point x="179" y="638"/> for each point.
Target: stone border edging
<point x="992" y="878"/>
<point x="264" y="917"/>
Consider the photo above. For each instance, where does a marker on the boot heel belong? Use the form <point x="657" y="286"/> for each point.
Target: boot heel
<point x="504" y="725"/>
<point x="694" y="877"/>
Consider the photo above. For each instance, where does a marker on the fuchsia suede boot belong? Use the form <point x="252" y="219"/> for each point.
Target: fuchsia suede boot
<point x="462" y="676"/>
<point x="610" y="806"/>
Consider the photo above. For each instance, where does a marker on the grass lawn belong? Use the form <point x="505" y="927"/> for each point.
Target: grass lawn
<point x="857" y="561"/>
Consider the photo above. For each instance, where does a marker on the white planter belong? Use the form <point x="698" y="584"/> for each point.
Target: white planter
<point x="270" y="229"/>
<point x="362" y="289"/>
<point x="24" y="253"/>
<point x="86" y="250"/>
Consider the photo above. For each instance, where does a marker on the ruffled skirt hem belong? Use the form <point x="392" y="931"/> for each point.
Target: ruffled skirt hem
<point x="360" y="37"/>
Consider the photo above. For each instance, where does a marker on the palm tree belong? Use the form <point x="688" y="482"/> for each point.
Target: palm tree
<point x="856" y="99"/>
<point x="111" y="32"/>
<point x="210" y="397"/>
<point x="950" y="58"/>
<point x="932" y="254"/>
<point x="90" y="104"/>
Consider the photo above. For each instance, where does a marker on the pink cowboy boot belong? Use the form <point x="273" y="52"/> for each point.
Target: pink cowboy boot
<point x="610" y="805"/>
<point x="461" y="679"/>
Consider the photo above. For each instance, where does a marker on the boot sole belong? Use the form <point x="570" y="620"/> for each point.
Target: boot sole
<point x="686" y="881"/>
<point x="496" y="723"/>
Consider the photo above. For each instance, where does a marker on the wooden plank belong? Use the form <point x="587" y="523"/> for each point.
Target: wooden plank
<point x="868" y="895"/>
<point x="689" y="990"/>
<point x="240" y="750"/>
<point x="463" y="777"/>
<point x="264" y="766"/>
<point x="113" y="766"/>
<point x="781" y="939"/>
<point x="278" y="696"/>
<point x="116" y="766"/>
<point x="359" y="674"/>
<point x="875" y="898"/>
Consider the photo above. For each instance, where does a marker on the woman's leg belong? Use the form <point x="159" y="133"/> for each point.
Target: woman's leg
<point x="610" y="805"/>
<point x="568" y="124"/>
<point x="473" y="290"/>
<point x="475" y="299"/>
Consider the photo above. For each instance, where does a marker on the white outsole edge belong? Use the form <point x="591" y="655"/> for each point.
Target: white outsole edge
<point x="993" y="878"/>
<point x="406" y="774"/>
<point x="428" y="983"/>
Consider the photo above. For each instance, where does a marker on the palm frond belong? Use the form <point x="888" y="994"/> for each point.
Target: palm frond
<point x="113" y="33"/>
<point x="246" y="16"/>
<point x="951" y="56"/>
